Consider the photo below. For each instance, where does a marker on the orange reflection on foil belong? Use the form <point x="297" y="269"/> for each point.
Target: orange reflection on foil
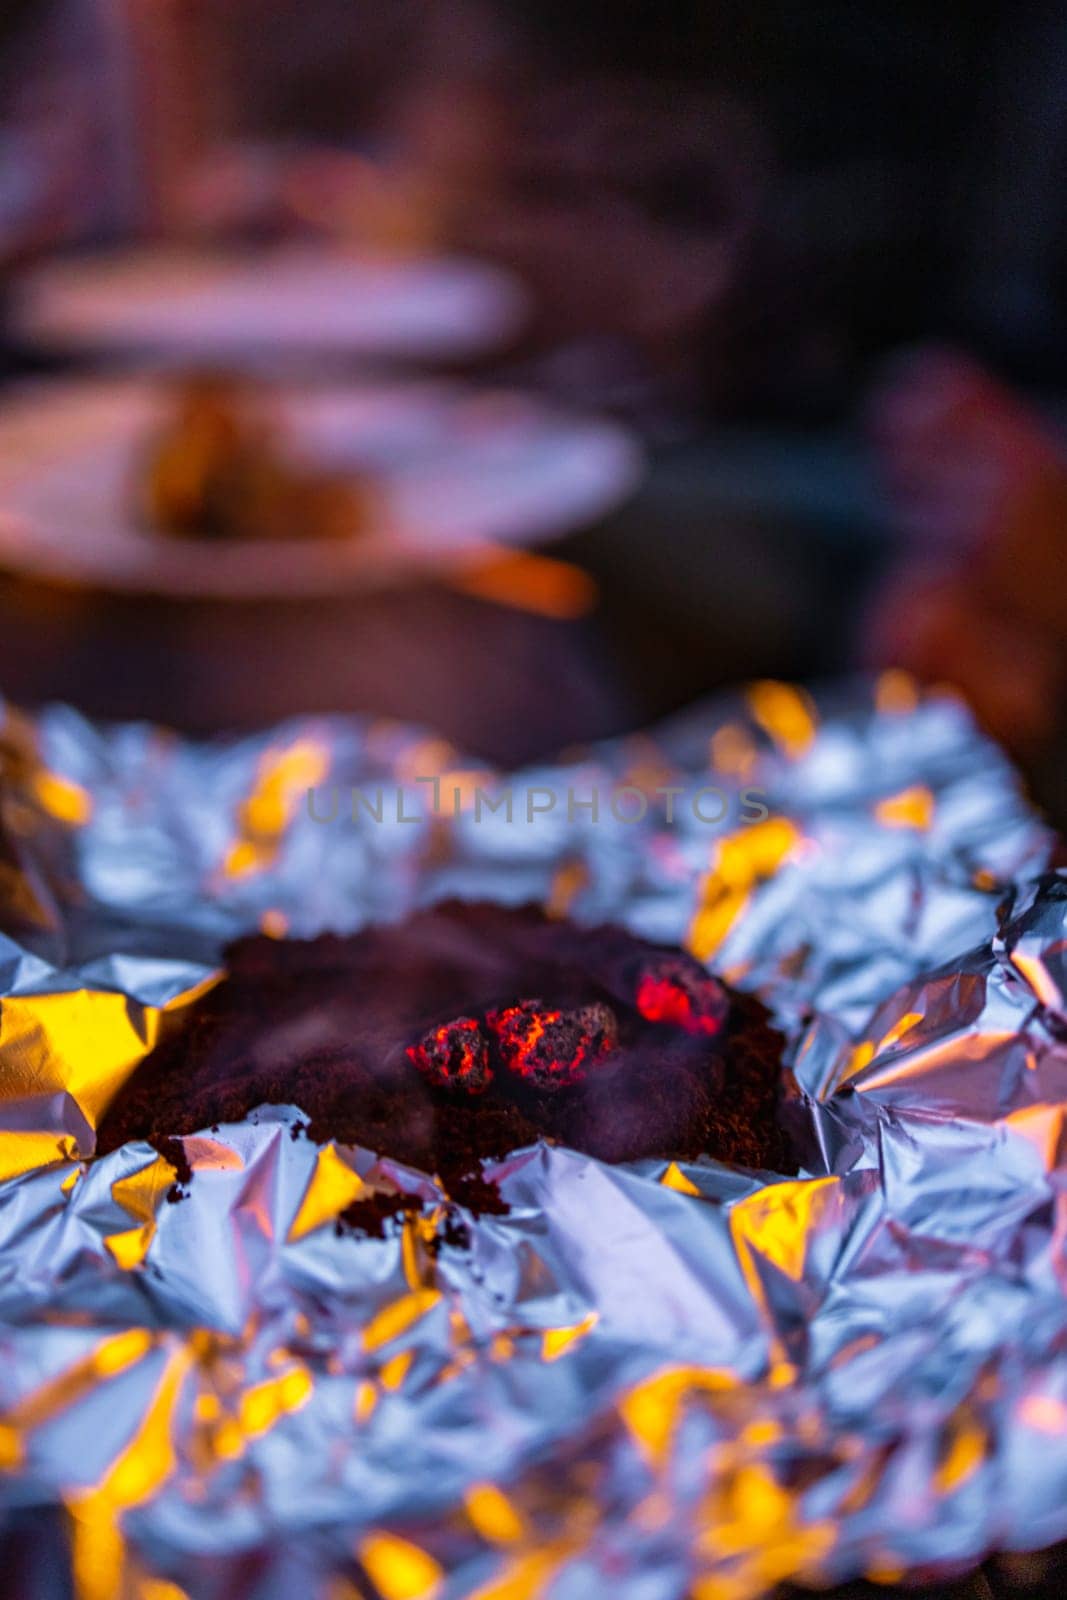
<point x="391" y="1373"/>
<point x="333" y="1185"/>
<point x="900" y="1029"/>
<point x="98" y="1554"/>
<point x="140" y="1194"/>
<point x="525" y="1576"/>
<point x="675" y="1178"/>
<point x="10" y="1448"/>
<point x="867" y="1050"/>
<point x="786" y="713"/>
<point x="866" y="1483"/>
<point x="501" y="1347"/>
<point x="896" y="692"/>
<point x="965" y="1450"/>
<point x="264" y="1404"/>
<point x="227" y="1441"/>
<point x="459" y="786"/>
<point x="1036" y="972"/>
<point x="776" y="1225"/>
<point x="63" y="799"/>
<point x="741" y="861"/>
<point x="398" y="1316"/>
<point x="492" y="1514"/>
<point x="83" y="1043"/>
<point x="147" y="1461"/>
<point x="911" y="808"/>
<point x="205" y="1154"/>
<point x="22" y="1152"/>
<point x="733" y="751"/>
<point x="554" y="1341"/>
<point x="568" y="881"/>
<point x="885" y="1571"/>
<point x="366" y="1399"/>
<point x="861" y="1056"/>
<point x="256" y="1411"/>
<point x="112" y="1356"/>
<point x="1042" y="1126"/>
<point x="427" y="759"/>
<point x="651" y="1410"/>
<point x="398" y="1569"/>
<point x="754" y="1519"/>
<point x="283" y="778"/>
<point x="414" y="1261"/>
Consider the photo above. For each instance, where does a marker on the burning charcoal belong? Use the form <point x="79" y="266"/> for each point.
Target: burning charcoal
<point x="678" y="991"/>
<point x="552" y="1049"/>
<point x="454" y="1055"/>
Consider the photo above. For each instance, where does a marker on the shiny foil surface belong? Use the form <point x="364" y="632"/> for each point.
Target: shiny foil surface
<point x="654" y="1381"/>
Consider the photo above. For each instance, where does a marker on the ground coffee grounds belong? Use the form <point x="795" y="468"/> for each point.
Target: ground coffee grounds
<point x="462" y="1034"/>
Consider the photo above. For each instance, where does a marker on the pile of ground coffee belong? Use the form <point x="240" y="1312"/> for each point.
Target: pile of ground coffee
<point x="464" y="1033"/>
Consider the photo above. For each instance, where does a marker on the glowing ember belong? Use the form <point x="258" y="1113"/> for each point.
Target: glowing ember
<point x="551" y="1049"/>
<point x="454" y="1055"/>
<point x="681" y="993"/>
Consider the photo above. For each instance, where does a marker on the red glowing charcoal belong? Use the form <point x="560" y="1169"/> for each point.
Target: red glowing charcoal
<point x="552" y="1049"/>
<point x="679" y="992"/>
<point x="454" y="1055"/>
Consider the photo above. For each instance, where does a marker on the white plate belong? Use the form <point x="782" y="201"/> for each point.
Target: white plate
<point x="168" y="306"/>
<point x="458" y="475"/>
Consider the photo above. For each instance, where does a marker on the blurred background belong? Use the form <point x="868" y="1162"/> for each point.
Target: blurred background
<point x="530" y="369"/>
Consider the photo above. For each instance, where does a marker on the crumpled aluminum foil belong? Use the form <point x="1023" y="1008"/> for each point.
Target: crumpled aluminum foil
<point x="664" y="1380"/>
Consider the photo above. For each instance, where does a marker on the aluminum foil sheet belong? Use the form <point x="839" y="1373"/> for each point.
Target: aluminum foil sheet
<point x="655" y="1381"/>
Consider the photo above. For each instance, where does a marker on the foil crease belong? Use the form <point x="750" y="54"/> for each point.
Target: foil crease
<point x="670" y="1380"/>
